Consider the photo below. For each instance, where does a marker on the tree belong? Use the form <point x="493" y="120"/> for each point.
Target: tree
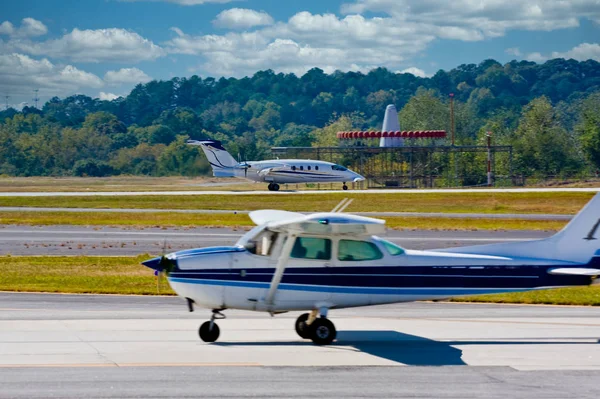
<point x="589" y="128"/>
<point x="541" y="145"/>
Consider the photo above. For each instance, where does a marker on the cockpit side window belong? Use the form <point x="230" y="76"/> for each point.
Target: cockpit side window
<point x="392" y="248"/>
<point x="351" y="250"/>
<point x="338" y="167"/>
<point x="311" y="248"/>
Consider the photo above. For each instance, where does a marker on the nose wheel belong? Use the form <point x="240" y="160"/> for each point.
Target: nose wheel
<point x="345" y="187"/>
<point x="273" y="187"/>
<point x="209" y="330"/>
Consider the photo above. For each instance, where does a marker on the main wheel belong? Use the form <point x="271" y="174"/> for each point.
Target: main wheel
<point x="270" y="187"/>
<point x="345" y="187"/>
<point x="275" y="187"/>
<point x="322" y="331"/>
<point x="302" y="329"/>
<point x="207" y="334"/>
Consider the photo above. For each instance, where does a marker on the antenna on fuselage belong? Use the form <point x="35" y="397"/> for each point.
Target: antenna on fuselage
<point x="339" y="208"/>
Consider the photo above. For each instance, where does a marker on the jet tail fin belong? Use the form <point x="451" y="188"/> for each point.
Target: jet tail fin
<point x="578" y="241"/>
<point x="222" y="163"/>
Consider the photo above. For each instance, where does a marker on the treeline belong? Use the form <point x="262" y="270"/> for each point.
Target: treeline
<point x="549" y="112"/>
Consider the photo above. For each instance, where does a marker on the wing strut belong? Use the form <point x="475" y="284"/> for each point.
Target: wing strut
<point x="280" y="268"/>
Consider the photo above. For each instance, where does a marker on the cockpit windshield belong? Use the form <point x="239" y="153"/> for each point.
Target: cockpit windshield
<point x="262" y="244"/>
<point x="392" y="248"/>
<point x="339" y="167"/>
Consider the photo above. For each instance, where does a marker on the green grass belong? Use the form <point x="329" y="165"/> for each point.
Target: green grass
<point x="125" y="275"/>
<point x="79" y="274"/>
<point x="174" y="219"/>
<point x="494" y="203"/>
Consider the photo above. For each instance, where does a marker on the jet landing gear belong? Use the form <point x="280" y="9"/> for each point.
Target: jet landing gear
<point x="209" y="330"/>
<point x="345" y="187"/>
<point x="318" y="329"/>
<point x="273" y="187"/>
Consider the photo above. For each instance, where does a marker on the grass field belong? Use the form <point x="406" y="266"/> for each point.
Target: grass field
<point x="498" y="203"/>
<point x="174" y="219"/>
<point x="125" y="275"/>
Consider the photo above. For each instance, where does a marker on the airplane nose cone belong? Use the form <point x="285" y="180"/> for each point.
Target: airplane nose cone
<point x="154" y="264"/>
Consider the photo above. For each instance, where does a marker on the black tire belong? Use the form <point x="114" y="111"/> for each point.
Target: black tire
<point x="270" y="187"/>
<point x="345" y="187"/>
<point x="322" y="331"/>
<point x="208" y="335"/>
<point x="301" y="328"/>
<point x="275" y="187"/>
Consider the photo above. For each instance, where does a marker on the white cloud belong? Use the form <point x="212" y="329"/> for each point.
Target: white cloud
<point x="402" y="30"/>
<point x="414" y="71"/>
<point x="241" y="18"/>
<point x="306" y="41"/>
<point x="29" y="28"/>
<point x="20" y="74"/>
<point x="107" y="96"/>
<point x="582" y="52"/>
<point x="513" y="51"/>
<point x="100" y="45"/>
<point x="126" y="76"/>
<point x="479" y="19"/>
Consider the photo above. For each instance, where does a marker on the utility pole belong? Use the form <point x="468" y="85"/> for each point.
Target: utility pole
<point x="6" y="97"/>
<point x="488" y="135"/>
<point x="35" y="97"/>
<point x="452" y="116"/>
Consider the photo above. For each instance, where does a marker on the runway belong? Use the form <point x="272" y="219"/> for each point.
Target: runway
<point x="112" y="241"/>
<point x="115" y="346"/>
<point x="299" y="192"/>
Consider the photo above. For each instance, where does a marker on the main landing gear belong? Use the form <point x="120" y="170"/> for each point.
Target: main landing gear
<point x="318" y="329"/>
<point x="273" y="187"/>
<point x="209" y="330"/>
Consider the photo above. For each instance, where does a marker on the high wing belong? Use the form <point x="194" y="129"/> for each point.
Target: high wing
<point x="326" y="224"/>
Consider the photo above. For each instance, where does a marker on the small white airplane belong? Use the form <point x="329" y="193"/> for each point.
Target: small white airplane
<point x="294" y="262"/>
<point x="274" y="172"/>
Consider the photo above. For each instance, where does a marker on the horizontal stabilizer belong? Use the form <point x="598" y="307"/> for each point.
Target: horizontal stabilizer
<point x="579" y="271"/>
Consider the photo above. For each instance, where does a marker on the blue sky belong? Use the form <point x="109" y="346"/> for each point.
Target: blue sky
<point x="102" y="48"/>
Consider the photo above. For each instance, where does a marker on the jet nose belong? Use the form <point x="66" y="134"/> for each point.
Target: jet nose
<point x="358" y="178"/>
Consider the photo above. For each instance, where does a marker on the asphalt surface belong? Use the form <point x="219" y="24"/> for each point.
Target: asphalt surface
<point x="90" y="346"/>
<point x="283" y="192"/>
<point x="527" y="216"/>
<point x="76" y="240"/>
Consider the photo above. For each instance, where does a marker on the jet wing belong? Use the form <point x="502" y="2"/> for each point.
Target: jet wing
<point x="327" y="224"/>
<point x="267" y="171"/>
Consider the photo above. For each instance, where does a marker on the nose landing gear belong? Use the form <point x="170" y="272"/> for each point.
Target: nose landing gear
<point x="209" y="330"/>
<point x="345" y="187"/>
<point x="273" y="187"/>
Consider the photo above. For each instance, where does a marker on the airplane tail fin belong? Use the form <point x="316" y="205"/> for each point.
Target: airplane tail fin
<point x="222" y="163"/>
<point x="578" y="241"/>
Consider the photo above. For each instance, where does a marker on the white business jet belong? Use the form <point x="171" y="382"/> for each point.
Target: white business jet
<point x="323" y="261"/>
<point x="274" y="172"/>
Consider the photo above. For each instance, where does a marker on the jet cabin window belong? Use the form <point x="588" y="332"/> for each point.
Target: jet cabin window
<point x="350" y="250"/>
<point x="338" y="167"/>
<point x="311" y="248"/>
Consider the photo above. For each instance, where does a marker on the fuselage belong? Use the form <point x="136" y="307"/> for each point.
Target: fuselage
<point x="295" y="171"/>
<point x="330" y="274"/>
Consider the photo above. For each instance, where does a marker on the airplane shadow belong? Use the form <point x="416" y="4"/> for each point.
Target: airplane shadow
<point x="403" y="348"/>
